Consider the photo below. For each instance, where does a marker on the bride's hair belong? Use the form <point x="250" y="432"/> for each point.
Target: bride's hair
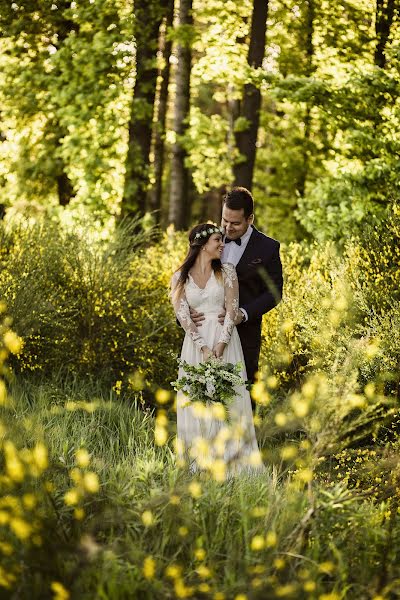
<point x="198" y="237"/>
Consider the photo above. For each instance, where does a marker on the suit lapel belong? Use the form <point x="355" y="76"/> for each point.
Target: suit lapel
<point x="248" y="251"/>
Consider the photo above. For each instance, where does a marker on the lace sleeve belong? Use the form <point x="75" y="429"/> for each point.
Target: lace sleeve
<point x="231" y="287"/>
<point x="182" y="312"/>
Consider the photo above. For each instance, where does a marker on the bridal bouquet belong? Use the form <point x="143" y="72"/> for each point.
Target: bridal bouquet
<point x="210" y="381"/>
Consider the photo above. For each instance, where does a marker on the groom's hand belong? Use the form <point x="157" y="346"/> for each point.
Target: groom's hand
<point x="197" y="317"/>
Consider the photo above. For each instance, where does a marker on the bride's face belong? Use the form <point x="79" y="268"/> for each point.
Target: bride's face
<point x="214" y="246"/>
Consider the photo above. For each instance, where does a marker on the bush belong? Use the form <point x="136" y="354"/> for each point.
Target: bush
<point x="98" y="309"/>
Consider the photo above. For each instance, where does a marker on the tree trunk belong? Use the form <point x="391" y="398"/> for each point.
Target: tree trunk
<point x="251" y="103"/>
<point x="179" y="203"/>
<point x="383" y="22"/>
<point x="154" y="199"/>
<point x="65" y="189"/>
<point x="307" y="117"/>
<point x="148" y="18"/>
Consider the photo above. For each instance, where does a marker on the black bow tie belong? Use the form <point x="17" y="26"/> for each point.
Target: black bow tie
<point x="238" y="241"/>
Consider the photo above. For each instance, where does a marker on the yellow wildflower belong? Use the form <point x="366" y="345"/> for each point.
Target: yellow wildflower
<point x="60" y="593"/>
<point x="12" y="342"/>
<point x="173" y="571"/>
<point x="79" y="513"/>
<point x="40" y="457"/>
<point x="147" y="518"/>
<point x="71" y="497"/>
<point x="203" y="571"/>
<point x="257" y="543"/>
<point x="21" y="528"/>
<point x="309" y="586"/>
<point x="162" y="396"/>
<point x="194" y="489"/>
<point x="200" y="553"/>
<point x="280" y="419"/>
<point x="91" y="482"/>
<point x="82" y="457"/>
<point x="149" y="567"/>
<point x="271" y="539"/>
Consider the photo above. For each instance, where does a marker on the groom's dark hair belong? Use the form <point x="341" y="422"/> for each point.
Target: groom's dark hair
<point x="240" y="197"/>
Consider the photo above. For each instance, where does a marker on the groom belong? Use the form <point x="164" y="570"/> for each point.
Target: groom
<point x="259" y="270"/>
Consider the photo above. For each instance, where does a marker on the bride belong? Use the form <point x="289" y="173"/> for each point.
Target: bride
<point x="204" y="439"/>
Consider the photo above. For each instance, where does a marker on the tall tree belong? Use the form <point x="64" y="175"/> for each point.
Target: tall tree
<point x="162" y="104"/>
<point x="383" y="21"/>
<point x="148" y="17"/>
<point x="309" y="54"/>
<point x="179" y="204"/>
<point x="246" y="135"/>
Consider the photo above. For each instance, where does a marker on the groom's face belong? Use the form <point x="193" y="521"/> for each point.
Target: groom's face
<point x="234" y="222"/>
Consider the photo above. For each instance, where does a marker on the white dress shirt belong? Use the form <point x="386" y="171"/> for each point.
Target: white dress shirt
<point x="232" y="253"/>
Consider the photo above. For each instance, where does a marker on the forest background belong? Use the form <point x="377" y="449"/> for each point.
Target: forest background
<point x="121" y="124"/>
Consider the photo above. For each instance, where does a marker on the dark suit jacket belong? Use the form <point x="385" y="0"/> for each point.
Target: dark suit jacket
<point x="260" y="278"/>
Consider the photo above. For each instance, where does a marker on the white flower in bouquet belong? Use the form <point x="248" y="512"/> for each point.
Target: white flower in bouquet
<point x="212" y="380"/>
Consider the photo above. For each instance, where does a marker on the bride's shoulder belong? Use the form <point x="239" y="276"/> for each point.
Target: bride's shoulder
<point x="175" y="278"/>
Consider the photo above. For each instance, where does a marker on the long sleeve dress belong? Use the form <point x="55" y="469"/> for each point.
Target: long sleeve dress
<point x="203" y="438"/>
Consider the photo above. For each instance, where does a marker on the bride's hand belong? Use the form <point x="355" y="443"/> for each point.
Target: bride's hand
<point x="206" y="352"/>
<point x="219" y="349"/>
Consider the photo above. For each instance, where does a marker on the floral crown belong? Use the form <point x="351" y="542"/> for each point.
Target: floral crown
<point x="209" y="231"/>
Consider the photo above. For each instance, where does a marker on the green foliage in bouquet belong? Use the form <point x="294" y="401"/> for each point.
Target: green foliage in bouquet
<point x="212" y="380"/>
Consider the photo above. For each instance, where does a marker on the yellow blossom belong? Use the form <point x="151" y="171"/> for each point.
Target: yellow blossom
<point x="327" y="567"/>
<point x="194" y="489"/>
<point x="174" y="499"/>
<point x="203" y="572"/>
<point x="4" y="517"/>
<point x="15" y="469"/>
<point x="173" y="571"/>
<point x="76" y="475"/>
<point x="12" y="342"/>
<point x="300" y="408"/>
<point x="29" y="501"/>
<point x="162" y="396"/>
<point x="82" y="457"/>
<point x="149" y="567"/>
<point x="285" y="590"/>
<point x="183" y="531"/>
<point x="200" y="553"/>
<point x="160" y="435"/>
<point x="279" y="563"/>
<point x="3" y="393"/>
<point x="60" y="593"/>
<point x="181" y="590"/>
<point x="288" y="452"/>
<point x="305" y="475"/>
<point x="280" y="419"/>
<point x="21" y="528"/>
<point x="257" y="543"/>
<point x="79" y="513"/>
<point x="40" y="456"/>
<point x="147" y="518"/>
<point x="218" y="469"/>
<point x="241" y="597"/>
<point x="309" y="586"/>
<point x="6" y="548"/>
<point x="272" y="382"/>
<point x="71" y="497"/>
<point x="204" y="587"/>
<point x="271" y="539"/>
<point x="91" y="482"/>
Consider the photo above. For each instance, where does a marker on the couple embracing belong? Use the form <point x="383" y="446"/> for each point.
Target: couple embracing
<point x="231" y="276"/>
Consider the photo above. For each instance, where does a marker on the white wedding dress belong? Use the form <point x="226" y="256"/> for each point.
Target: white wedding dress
<point x="203" y="440"/>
